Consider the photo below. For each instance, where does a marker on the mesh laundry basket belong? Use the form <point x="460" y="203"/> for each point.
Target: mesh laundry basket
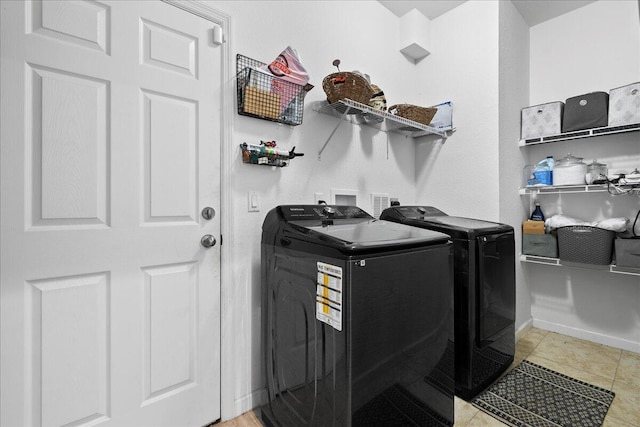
<point x="352" y="86"/>
<point x="585" y="244"/>
<point x="413" y="112"/>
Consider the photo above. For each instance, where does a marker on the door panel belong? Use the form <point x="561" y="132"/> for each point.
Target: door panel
<point x="169" y="49"/>
<point x="83" y="23"/>
<point x="170" y="339"/>
<point x="170" y="156"/>
<point x="71" y="381"/>
<point x="110" y="149"/>
<point x="68" y="162"/>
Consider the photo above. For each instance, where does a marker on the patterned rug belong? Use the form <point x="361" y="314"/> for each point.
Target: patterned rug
<point x="531" y="395"/>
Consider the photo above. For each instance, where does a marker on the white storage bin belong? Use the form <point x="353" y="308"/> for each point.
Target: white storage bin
<point x="624" y="105"/>
<point x="542" y="120"/>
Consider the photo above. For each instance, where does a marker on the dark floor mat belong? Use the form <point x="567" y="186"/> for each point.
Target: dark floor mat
<point x="531" y="395"/>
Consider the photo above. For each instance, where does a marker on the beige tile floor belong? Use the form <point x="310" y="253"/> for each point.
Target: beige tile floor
<point x="606" y="367"/>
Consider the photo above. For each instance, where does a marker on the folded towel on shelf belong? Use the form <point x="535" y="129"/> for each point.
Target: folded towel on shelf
<point x="557" y="221"/>
<point x="618" y="225"/>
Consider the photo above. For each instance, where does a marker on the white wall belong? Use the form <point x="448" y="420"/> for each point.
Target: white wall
<point x="513" y="96"/>
<point x="461" y="175"/>
<point x="594" y="48"/>
<point x="479" y="61"/>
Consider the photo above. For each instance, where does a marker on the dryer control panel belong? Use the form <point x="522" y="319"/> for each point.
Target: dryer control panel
<point x="418" y="211"/>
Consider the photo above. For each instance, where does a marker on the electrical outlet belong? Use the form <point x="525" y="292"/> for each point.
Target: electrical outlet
<point x="317" y="197"/>
<point x="254" y="202"/>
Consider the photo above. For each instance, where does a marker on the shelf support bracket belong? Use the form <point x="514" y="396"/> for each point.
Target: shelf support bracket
<point x="342" y="118"/>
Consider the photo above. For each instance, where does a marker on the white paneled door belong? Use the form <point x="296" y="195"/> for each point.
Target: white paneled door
<point x="110" y="128"/>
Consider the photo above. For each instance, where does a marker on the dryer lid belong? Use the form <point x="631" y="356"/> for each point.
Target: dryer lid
<point x="434" y="219"/>
<point x="463" y="223"/>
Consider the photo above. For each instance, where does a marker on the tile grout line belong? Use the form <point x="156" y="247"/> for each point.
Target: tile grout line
<point x="535" y="346"/>
<point x="615" y="374"/>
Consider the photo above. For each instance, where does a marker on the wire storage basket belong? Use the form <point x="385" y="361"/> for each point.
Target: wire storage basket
<point x="347" y="85"/>
<point x="585" y="244"/>
<point x="264" y="96"/>
<point x="422" y="115"/>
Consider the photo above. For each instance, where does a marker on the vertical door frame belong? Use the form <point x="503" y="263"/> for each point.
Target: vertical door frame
<point x="203" y="10"/>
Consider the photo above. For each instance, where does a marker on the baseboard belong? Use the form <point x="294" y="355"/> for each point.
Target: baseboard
<point x="524" y="328"/>
<point x="246" y="403"/>
<point x="588" y="335"/>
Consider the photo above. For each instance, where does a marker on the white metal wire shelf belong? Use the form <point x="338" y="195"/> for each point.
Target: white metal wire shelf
<point x="616" y="189"/>
<point x="612" y="268"/>
<point x="587" y="133"/>
<point x="356" y="113"/>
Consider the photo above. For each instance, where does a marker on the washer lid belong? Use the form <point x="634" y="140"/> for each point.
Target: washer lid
<point x="346" y="228"/>
<point x="375" y="234"/>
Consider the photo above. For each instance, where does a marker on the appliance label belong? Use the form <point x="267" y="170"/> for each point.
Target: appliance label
<point x="329" y="295"/>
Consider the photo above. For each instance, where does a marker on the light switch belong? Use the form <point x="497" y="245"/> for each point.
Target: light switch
<point x="254" y="202"/>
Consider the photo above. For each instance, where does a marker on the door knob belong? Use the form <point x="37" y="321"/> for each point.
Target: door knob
<point x="208" y="240"/>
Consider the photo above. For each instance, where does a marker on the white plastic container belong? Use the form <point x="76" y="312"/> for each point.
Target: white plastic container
<point x="569" y="170"/>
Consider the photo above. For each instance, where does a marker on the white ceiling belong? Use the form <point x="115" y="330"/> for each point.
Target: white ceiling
<point x="533" y="11"/>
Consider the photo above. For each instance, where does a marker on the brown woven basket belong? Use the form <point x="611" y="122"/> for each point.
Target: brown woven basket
<point x="414" y="113"/>
<point x="354" y="87"/>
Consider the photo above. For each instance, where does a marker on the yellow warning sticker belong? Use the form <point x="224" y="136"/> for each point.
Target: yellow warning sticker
<point x="329" y="295"/>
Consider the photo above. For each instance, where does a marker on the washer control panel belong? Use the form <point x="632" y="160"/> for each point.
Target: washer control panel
<point x="320" y="212"/>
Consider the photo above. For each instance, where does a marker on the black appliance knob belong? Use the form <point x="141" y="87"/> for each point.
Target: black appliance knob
<point x="329" y="210"/>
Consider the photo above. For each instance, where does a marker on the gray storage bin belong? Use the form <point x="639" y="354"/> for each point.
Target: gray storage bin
<point x="540" y="245"/>
<point x="585" y="111"/>
<point x="585" y="244"/>
<point x="628" y="252"/>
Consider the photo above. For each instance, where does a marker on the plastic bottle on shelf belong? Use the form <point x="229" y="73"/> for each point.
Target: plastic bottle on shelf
<point x="537" y="214"/>
<point x="542" y="172"/>
<point x="551" y="162"/>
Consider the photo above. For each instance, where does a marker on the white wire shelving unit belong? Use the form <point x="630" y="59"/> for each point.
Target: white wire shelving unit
<point x="587" y="133"/>
<point x="612" y="268"/>
<point x="360" y="114"/>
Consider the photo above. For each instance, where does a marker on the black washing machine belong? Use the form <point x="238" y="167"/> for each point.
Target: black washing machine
<point x="484" y="283"/>
<point x="357" y="315"/>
